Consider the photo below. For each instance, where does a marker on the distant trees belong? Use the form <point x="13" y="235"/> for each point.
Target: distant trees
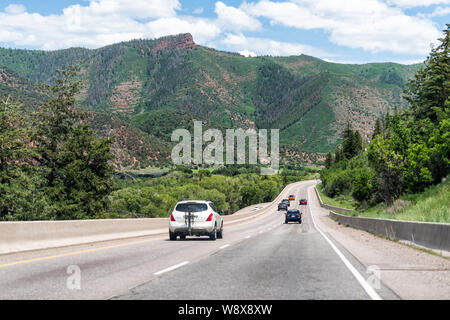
<point x="155" y="197"/>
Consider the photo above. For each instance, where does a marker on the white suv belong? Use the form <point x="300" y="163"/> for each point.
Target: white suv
<point x="195" y="218"/>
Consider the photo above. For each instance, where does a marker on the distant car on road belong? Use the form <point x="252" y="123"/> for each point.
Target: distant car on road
<point x="293" y="215"/>
<point x="287" y="201"/>
<point x="282" y="206"/>
<point x="291" y="197"/>
<point x="195" y="218"/>
<point x="303" y="202"/>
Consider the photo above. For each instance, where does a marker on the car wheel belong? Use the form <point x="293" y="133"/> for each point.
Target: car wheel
<point x="213" y="235"/>
<point x="285" y="222"/>
<point x="220" y="233"/>
<point x="172" y="236"/>
<point x="183" y="237"/>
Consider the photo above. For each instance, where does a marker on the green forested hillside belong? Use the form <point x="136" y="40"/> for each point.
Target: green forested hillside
<point x="155" y="86"/>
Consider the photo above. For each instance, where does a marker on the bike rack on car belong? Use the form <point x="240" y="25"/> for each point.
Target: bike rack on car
<point x="189" y="220"/>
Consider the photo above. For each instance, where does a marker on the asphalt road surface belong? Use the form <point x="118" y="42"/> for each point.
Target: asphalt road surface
<point x="261" y="259"/>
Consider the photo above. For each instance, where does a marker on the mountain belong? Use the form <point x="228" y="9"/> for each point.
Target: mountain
<point x="147" y="88"/>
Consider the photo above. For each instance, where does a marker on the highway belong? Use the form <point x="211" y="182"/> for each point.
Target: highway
<point x="262" y="258"/>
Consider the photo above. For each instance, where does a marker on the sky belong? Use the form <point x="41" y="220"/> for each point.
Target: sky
<point x="343" y="31"/>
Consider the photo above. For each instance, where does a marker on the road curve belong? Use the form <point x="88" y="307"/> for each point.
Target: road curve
<point x="261" y="258"/>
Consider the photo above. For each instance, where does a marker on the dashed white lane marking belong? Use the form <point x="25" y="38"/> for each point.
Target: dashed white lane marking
<point x="224" y="246"/>
<point x="171" y="268"/>
<point x="369" y="290"/>
<point x="247" y="237"/>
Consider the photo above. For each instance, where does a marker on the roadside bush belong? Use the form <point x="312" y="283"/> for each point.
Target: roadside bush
<point x="362" y="184"/>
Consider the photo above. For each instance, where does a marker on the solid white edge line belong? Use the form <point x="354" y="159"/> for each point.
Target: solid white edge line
<point x="369" y="290"/>
<point x="171" y="268"/>
<point x="224" y="246"/>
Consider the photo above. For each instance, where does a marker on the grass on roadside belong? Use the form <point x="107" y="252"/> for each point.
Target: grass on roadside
<point x="346" y="202"/>
<point x="432" y="205"/>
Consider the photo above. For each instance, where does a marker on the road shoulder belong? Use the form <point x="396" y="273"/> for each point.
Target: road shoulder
<point x="409" y="272"/>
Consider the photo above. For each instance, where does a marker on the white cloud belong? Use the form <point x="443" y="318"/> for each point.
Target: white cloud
<point x="405" y="62"/>
<point x="103" y="22"/>
<point x="374" y="25"/>
<point x="408" y="62"/>
<point x="231" y="18"/>
<point x="264" y="46"/>
<point x="137" y="9"/>
<point x="100" y="23"/>
<point x="440" y="11"/>
<point x="371" y="25"/>
<point x="198" y="11"/>
<point x="417" y="3"/>
<point x="15" y="8"/>
<point x="247" y="53"/>
<point x="202" y="30"/>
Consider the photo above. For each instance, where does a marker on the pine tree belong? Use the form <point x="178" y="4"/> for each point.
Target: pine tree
<point x="357" y="143"/>
<point x="20" y="198"/>
<point x="13" y="147"/>
<point x="338" y="155"/>
<point x="74" y="161"/>
<point x="328" y="160"/>
<point x="430" y="87"/>
<point x="348" y="143"/>
<point x="377" y="130"/>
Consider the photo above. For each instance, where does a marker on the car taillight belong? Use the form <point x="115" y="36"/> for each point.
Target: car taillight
<point x="210" y="217"/>
<point x="298" y="215"/>
<point x="171" y="217"/>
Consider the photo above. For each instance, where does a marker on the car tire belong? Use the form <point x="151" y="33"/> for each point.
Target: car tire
<point x="220" y="233"/>
<point x="172" y="236"/>
<point x="285" y="222"/>
<point x="213" y="235"/>
<point x="183" y="237"/>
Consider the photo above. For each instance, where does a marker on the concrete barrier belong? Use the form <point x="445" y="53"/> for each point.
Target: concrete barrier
<point x="33" y="235"/>
<point x="425" y="234"/>
<point x="24" y="236"/>
<point x="323" y="205"/>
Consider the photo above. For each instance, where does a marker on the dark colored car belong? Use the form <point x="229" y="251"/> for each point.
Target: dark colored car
<point x="303" y="202"/>
<point x="282" y="206"/>
<point x="286" y="201"/>
<point x="293" y="215"/>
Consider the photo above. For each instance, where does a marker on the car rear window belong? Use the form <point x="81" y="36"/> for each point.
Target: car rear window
<point x="191" y="207"/>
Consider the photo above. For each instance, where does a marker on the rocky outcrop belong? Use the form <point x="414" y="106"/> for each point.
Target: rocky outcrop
<point x="177" y="42"/>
